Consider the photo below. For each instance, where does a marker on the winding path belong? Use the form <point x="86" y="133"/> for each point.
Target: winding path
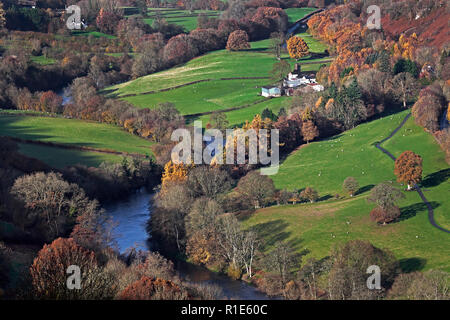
<point x="416" y="187"/>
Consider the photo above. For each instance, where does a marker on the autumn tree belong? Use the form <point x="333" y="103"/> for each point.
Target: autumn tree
<point x="174" y="173"/>
<point x="408" y="168"/>
<point x="2" y="16"/>
<point x="297" y="47"/>
<point x="49" y="273"/>
<point x="385" y="196"/>
<point x="238" y="40"/>
<point x="348" y="274"/>
<point x="153" y="289"/>
<point x="50" y="102"/>
<point x="256" y="188"/>
<point x="107" y="21"/>
<point x="309" y="131"/>
<point x="179" y="49"/>
<point x="309" y="194"/>
<point x="351" y="185"/>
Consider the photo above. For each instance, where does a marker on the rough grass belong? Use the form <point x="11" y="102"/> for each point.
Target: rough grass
<point x="317" y="227"/>
<point x="73" y="133"/>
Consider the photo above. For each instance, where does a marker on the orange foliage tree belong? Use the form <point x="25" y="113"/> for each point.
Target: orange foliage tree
<point x="309" y="131"/>
<point x="297" y="47"/>
<point x="238" y="40"/>
<point x="49" y="277"/>
<point x="152" y="289"/>
<point x="408" y="168"/>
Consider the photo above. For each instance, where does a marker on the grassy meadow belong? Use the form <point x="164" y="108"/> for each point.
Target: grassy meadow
<point x="73" y="132"/>
<point x="325" y="164"/>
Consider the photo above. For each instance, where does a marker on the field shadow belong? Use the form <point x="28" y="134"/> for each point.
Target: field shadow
<point x="364" y="189"/>
<point x="272" y="231"/>
<point x="412" y="210"/>
<point x="436" y="178"/>
<point x="408" y="265"/>
<point x="325" y="198"/>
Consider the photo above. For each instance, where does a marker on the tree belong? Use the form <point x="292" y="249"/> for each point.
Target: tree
<point x="431" y="285"/>
<point x="309" y="194"/>
<point x="107" y="21"/>
<point x="277" y="40"/>
<point x="51" y="203"/>
<point x="404" y="87"/>
<point x="408" y="168"/>
<point x="179" y="49"/>
<point x="50" y="102"/>
<point x="427" y="112"/>
<point x="208" y="181"/>
<point x="153" y="289"/>
<point x="279" y="70"/>
<point x="49" y="273"/>
<point x="2" y="16"/>
<point x="256" y="188"/>
<point x="238" y="40"/>
<point x="385" y="196"/>
<point x="309" y="131"/>
<point x="348" y="274"/>
<point x="282" y="259"/>
<point x="351" y="185"/>
<point x="149" y="58"/>
<point x="297" y="47"/>
<point x="218" y="120"/>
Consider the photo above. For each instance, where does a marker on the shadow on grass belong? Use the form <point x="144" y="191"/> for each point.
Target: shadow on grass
<point x="436" y="178"/>
<point x="364" y="189"/>
<point x="325" y="198"/>
<point x="412" y="210"/>
<point x="272" y="232"/>
<point x="412" y="264"/>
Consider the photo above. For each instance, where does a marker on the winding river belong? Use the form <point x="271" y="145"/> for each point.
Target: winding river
<point x="130" y="217"/>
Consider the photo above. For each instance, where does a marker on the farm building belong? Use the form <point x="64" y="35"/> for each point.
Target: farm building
<point x="269" y="91"/>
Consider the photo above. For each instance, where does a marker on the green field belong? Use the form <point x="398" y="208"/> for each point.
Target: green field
<point x="73" y="133"/>
<point x="212" y="95"/>
<point x="217" y="93"/>
<point x="295" y="14"/>
<point x="184" y="18"/>
<point x="42" y="60"/>
<point x="95" y="34"/>
<point x="60" y="158"/>
<point x="324" y="165"/>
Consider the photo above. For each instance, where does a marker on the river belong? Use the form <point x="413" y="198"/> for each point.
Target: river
<point x="130" y="217"/>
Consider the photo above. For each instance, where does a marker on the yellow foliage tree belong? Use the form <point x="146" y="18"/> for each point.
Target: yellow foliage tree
<point x="174" y="173"/>
<point x="2" y="16"/>
<point x="297" y="47"/>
